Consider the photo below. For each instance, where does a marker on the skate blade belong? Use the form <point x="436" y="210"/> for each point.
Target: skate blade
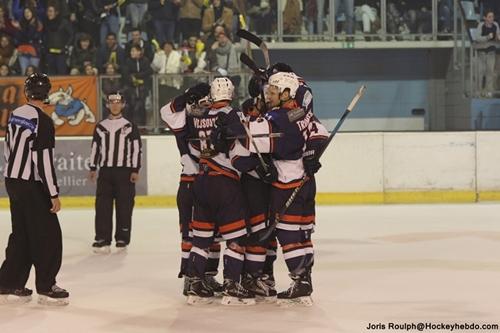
<point x="235" y="301"/>
<point x="121" y="250"/>
<point x="197" y="300"/>
<point x="44" y="300"/>
<point x="102" y="250"/>
<point x="299" y="301"/>
<point x="14" y="300"/>
<point x="266" y="299"/>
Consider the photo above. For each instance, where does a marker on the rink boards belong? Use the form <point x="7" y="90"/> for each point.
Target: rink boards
<point x="375" y="167"/>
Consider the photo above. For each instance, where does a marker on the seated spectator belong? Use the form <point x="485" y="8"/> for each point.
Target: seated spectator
<point x="110" y="23"/>
<point x="6" y="26"/>
<point x="226" y="59"/>
<point x="4" y="70"/>
<point x="164" y="14"/>
<point x="30" y="70"/>
<point x="112" y="82"/>
<point x="217" y="14"/>
<point x="136" y="39"/>
<point x="89" y="70"/>
<point x="8" y="52"/>
<point x="167" y="61"/>
<point x="190" y="18"/>
<point x="194" y="56"/>
<point x="136" y="75"/>
<point x="84" y="53"/>
<point x="488" y="32"/>
<point x="110" y="52"/>
<point x="135" y="11"/>
<point x="28" y="35"/>
<point x="210" y="38"/>
<point x="37" y="6"/>
<point x="58" y="36"/>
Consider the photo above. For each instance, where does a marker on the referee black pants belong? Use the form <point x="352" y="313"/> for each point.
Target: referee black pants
<point x="35" y="239"/>
<point x="114" y="186"/>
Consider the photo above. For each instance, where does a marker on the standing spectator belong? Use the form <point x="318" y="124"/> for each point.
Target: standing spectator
<point x="89" y="20"/>
<point x="194" y="56"/>
<point x="110" y="22"/>
<point x="367" y="13"/>
<point x="239" y="13"/>
<point x="292" y="18"/>
<point x="136" y="39"/>
<point x="137" y="77"/>
<point x="445" y="12"/>
<point x="190" y="18"/>
<point x="8" y="52"/>
<point x="164" y="14"/>
<point x="4" y="70"/>
<point x="28" y="36"/>
<point x="110" y="52"/>
<point x="261" y="15"/>
<point x="348" y="10"/>
<point x="217" y="14"/>
<point x="168" y="61"/>
<point x="419" y="16"/>
<point x="58" y="36"/>
<point x="83" y="54"/>
<point x="311" y="15"/>
<point x="136" y="9"/>
<point x="488" y="33"/>
<point x="6" y="26"/>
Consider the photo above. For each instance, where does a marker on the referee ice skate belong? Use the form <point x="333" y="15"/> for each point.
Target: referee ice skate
<point x="117" y="150"/>
<point x="31" y="184"/>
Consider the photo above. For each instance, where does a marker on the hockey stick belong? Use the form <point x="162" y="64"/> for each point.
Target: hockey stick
<point x="244" y="58"/>
<point x="245" y="34"/>
<point x="244" y="123"/>
<point x="237" y="137"/>
<point x="290" y="200"/>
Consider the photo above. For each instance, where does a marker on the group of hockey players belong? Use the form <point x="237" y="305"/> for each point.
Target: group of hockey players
<point x="240" y="167"/>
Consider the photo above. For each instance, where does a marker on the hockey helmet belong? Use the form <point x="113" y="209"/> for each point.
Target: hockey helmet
<point x="37" y="86"/>
<point x="285" y="81"/>
<point x="221" y="89"/>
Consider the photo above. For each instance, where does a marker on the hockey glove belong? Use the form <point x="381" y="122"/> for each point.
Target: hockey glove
<point x="218" y="138"/>
<point x="269" y="176"/>
<point x="311" y="162"/>
<point x="195" y="93"/>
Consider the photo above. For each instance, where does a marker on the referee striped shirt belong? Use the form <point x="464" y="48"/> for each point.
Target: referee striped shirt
<point x="29" y="147"/>
<point x="116" y="143"/>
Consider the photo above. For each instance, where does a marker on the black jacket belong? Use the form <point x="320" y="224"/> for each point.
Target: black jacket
<point x="58" y="34"/>
<point x="135" y="71"/>
<point x="167" y="11"/>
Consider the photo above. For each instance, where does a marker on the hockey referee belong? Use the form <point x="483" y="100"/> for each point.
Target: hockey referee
<point x="31" y="184"/>
<point x="117" y="150"/>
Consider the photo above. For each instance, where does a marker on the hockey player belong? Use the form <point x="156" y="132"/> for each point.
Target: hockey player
<point x="31" y="184"/>
<point x="256" y="178"/>
<point x="295" y="226"/>
<point x="219" y="204"/>
<point x="179" y="115"/>
<point x="117" y="150"/>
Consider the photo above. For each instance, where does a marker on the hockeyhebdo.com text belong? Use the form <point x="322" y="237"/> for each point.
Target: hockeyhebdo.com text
<point x="429" y="327"/>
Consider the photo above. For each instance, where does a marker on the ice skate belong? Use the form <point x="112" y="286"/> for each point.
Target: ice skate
<point x="198" y="292"/>
<point x="261" y="286"/>
<point x="214" y="285"/>
<point x="55" y="296"/>
<point x="100" y="247"/>
<point x="235" y="294"/>
<point x="15" y="296"/>
<point x="299" y="292"/>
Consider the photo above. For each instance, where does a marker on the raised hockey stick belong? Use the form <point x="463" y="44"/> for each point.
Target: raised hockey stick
<point x="237" y="137"/>
<point x="245" y="34"/>
<point x="265" y="236"/>
<point x="244" y="123"/>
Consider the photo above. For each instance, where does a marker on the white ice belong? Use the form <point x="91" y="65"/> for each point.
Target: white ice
<point x="374" y="264"/>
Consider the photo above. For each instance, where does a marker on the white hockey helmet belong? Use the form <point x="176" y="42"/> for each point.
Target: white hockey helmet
<point x="221" y="89"/>
<point x="283" y="81"/>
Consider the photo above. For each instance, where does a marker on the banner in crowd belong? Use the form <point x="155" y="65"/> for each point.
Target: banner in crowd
<point x="71" y="161"/>
<point x="72" y="103"/>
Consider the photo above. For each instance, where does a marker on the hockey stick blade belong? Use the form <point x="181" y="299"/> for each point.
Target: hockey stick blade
<point x="244" y="58"/>
<point x="265" y="236"/>
<point x="245" y="34"/>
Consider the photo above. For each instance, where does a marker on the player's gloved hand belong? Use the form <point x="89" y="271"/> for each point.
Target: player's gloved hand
<point x="218" y="138"/>
<point x="270" y="173"/>
<point x="311" y="162"/>
<point x="195" y="93"/>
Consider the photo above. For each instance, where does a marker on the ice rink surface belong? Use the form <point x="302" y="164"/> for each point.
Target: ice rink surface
<point x="374" y="264"/>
